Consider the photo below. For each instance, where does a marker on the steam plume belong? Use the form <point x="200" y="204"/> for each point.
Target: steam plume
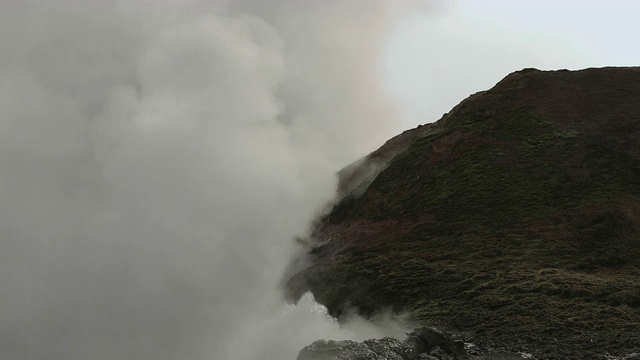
<point x="156" y="159"/>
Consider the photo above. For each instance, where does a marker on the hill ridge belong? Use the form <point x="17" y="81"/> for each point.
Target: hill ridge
<point x="522" y="202"/>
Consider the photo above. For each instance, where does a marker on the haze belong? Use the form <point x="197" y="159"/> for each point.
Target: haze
<point x="157" y="160"/>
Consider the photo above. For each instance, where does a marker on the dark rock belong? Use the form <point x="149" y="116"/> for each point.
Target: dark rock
<point x="457" y="347"/>
<point x="431" y="337"/>
<point x="440" y="354"/>
<point x="426" y="357"/>
<point x="390" y="348"/>
<point x="426" y="339"/>
<point x="385" y="348"/>
<point x="416" y="344"/>
<point x="472" y="349"/>
<point x="502" y="356"/>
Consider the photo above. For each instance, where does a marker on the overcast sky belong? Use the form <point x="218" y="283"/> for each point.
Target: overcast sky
<point x="444" y="51"/>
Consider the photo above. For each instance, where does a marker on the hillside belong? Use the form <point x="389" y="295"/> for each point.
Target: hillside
<point x="515" y="217"/>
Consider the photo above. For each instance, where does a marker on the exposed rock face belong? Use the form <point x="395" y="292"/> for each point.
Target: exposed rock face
<point x="516" y="217"/>
<point x="426" y="343"/>
<point x="423" y="343"/>
<point x="430" y="340"/>
<point x="385" y="348"/>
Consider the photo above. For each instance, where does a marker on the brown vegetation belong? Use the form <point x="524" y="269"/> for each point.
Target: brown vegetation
<point x="515" y="217"/>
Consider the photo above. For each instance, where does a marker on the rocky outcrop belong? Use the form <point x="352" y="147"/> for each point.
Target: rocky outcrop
<point x="429" y="340"/>
<point x="426" y="343"/>
<point x="385" y="348"/>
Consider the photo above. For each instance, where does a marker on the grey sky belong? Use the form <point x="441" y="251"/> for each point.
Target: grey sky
<point x="440" y="54"/>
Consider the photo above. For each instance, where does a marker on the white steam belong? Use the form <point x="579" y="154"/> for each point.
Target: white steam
<point x="157" y="158"/>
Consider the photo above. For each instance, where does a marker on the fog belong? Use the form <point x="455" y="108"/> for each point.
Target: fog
<point x="158" y="158"/>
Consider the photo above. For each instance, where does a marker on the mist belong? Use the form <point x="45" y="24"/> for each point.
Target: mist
<point x="157" y="160"/>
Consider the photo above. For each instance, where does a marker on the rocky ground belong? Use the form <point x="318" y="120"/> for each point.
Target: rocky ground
<point x="426" y="343"/>
<point x="514" y="219"/>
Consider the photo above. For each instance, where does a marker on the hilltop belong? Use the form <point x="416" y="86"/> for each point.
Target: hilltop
<point x="515" y="218"/>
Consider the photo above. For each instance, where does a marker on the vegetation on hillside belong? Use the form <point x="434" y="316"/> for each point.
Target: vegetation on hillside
<point x="516" y="216"/>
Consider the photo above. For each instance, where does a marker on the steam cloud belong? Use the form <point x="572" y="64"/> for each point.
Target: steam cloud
<point x="156" y="159"/>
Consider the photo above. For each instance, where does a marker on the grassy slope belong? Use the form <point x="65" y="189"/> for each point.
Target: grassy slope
<point x="518" y="215"/>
